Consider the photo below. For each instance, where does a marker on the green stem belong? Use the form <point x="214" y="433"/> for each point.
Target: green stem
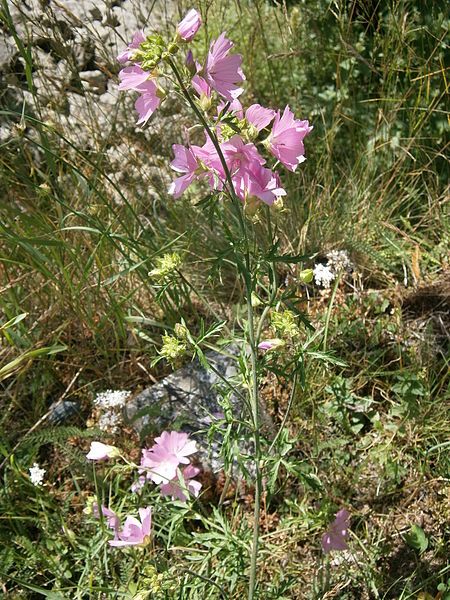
<point x="328" y="316"/>
<point x="245" y="270"/>
<point x="254" y="400"/>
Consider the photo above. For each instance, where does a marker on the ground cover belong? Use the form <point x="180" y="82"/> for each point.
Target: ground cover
<point x="98" y="261"/>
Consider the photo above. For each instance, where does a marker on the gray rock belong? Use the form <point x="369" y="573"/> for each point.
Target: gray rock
<point x="62" y="411"/>
<point x="94" y="81"/>
<point x="7" y="52"/>
<point x="193" y="399"/>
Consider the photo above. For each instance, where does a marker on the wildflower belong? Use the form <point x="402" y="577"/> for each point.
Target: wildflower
<point x="323" y="275"/>
<point x="335" y="537"/>
<point x="112" y="399"/>
<point x="186" y="162"/>
<point x="196" y="162"/>
<point x="190" y="62"/>
<point x="270" y="344"/>
<point x="189" y="26"/>
<point x="127" y="54"/>
<point x="109" y="421"/>
<point x="135" y="532"/>
<point x="172" y="348"/>
<point x="177" y="487"/>
<point x="258" y="116"/>
<point x="338" y="260"/>
<point x="234" y="107"/>
<point x="131" y="78"/>
<point x="162" y="459"/>
<point x="138" y="484"/>
<point x="259" y="182"/>
<point x="239" y="155"/>
<point x="285" y="141"/>
<point x="203" y="89"/>
<point x="112" y="519"/>
<point x="166" y="265"/>
<point x="148" y="101"/>
<point x="36" y="474"/>
<point x="285" y="324"/>
<point x="222" y="72"/>
<point x="101" y="451"/>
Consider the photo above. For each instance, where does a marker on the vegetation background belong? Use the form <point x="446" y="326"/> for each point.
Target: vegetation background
<point x="84" y="217"/>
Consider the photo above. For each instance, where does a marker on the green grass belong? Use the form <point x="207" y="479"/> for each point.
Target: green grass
<point x="368" y="431"/>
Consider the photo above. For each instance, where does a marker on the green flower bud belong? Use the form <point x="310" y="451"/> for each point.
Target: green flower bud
<point x="306" y="276"/>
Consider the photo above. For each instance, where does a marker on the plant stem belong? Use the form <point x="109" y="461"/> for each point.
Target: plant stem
<point x="245" y="269"/>
<point x="328" y="316"/>
<point x="254" y="400"/>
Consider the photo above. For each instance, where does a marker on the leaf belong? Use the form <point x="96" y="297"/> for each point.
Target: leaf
<point x="416" y="539"/>
<point x="13" y="321"/>
<point x="10" y="368"/>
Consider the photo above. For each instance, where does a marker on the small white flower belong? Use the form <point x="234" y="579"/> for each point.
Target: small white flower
<point x="109" y="422"/>
<point x="112" y="398"/>
<point x="323" y="275"/>
<point x="36" y="474"/>
<point x="338" y="260"/>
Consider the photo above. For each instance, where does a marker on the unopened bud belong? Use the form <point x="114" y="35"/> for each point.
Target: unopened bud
<point x="205" y="103"/>
<point x="306" y="276"/>
<point x="181" y="331"/>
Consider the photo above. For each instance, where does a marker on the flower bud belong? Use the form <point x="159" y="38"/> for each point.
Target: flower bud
<point x="306" y="276"/>
<point x="189" y="26"/>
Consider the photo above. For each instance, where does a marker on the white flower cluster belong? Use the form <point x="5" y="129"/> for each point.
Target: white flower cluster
<point x="323" y="275"/>
<point x="338" y="260"/>
<point x="110" y="404"/>
<point x="112" y="399"/>
<point x="36" y="474"/>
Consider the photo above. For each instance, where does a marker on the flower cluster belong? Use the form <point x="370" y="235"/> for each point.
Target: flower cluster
<point x="159" y="464"/>
<point x="133" y="533"/>
<point x="337" y="262"/>
<point x="36" y="474"/>
<point x="229" y="157"/>
<point x="109" y="405"/>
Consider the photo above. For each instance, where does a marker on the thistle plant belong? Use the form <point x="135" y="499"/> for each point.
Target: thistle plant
<point x="233" y="163"/>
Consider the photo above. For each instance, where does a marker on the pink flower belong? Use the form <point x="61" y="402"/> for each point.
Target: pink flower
<point x="147" y="102"/>
<point x="138" y="484"/>
<point x="270" y="344"/>
<point x="189" y="26"/>
<point x="162" y="459"/>
<point x="261" y="183"/>
<point x="185" y="161"/>
<point x="223" y="72"/>
<point x="131" y="78"/>
<point x="101" y="451"/>
<point x="235" y="108"/>
<point x="286" y="139"/>
<point x="177" y="489"/>
<point x="258" y="116"/>
<point x="112" y="519"/>
<point x="335" y="537"/>
<point x="127" y="54"/>
<point x="190" y="62"/>
<point x="196" y="162"/>
<point x="240" y="156"/>
<point x="201" y="86"/>
<point x="135" y="532"/>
